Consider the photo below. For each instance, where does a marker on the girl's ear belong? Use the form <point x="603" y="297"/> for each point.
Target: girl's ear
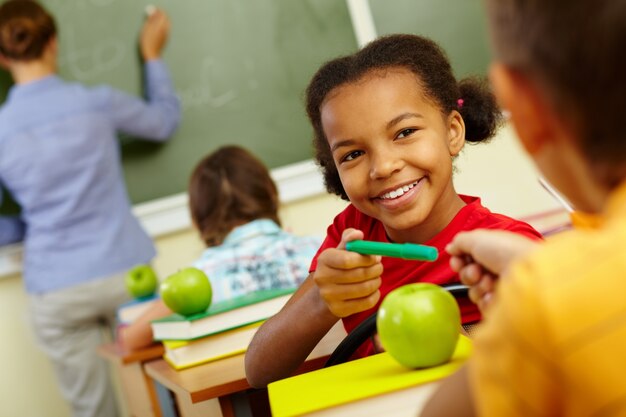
<point x="530" y="114"/>
<point x="456" y="133"/>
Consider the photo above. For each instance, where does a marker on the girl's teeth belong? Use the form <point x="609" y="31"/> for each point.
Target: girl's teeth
<point x="400" y="191"/>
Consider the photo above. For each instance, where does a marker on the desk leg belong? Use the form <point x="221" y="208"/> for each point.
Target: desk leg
<point x="259" y="402"/>
<point x="227" y="407"/>
<point x="251" y="403"/>
<point x="139" y="392"/>
<point x="208" y="408"/>
<point x="165" y="398"/>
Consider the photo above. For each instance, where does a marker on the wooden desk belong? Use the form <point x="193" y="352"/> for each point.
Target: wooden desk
<point x="208" y="389"/>
<point x="139" y="391"/>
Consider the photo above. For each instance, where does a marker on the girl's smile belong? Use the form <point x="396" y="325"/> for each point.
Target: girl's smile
<point x="399" y="196"/>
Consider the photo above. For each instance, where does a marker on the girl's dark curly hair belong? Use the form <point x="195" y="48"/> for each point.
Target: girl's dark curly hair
<point x="429" y="63"/>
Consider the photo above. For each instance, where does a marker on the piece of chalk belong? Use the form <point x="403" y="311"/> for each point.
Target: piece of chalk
<point x="395" y="250"/>
<point x="150" y="9"/>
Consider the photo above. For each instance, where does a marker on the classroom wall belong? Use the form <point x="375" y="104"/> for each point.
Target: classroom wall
<point x="503" y="176"/>
<point x="499" y="172"/>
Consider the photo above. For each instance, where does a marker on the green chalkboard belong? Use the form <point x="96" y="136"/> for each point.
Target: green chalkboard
<point x="240" y="68"/>
<point x="459" y="26"/>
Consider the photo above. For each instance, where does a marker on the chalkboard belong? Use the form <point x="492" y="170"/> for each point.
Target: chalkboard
<point x="240" y="68"/>
<point x="459" y="26"/>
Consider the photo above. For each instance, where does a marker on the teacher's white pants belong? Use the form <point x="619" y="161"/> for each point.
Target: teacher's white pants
<point x="69" y="326"/>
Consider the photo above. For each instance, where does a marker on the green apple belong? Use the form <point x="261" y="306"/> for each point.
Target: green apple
<point x="187" y="292"/>
<point x="141" y="281"/>
<point x="419" y="325"/>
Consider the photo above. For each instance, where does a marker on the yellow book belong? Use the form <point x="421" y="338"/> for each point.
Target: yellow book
<point x="355" y="380"/>
<point x="181" y="354"/>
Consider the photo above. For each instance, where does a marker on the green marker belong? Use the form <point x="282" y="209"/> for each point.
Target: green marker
<point x="395" y="250"/>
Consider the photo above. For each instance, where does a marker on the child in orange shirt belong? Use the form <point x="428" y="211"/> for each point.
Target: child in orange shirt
<point x="552" y="342"/>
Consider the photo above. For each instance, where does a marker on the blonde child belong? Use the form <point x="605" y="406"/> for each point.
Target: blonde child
<point x="553" y="339"/>
<point x="234" y="207"/>
<point x="388" y="122"/>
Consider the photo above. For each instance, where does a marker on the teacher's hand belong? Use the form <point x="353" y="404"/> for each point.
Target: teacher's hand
<point x="154" y="34"/>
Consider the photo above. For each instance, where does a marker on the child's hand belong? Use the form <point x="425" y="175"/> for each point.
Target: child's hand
<point x="481" y="282"/>
<point x="154" y="34"/>
<point x="348" y="282"/>
<point x="480" y="256"/>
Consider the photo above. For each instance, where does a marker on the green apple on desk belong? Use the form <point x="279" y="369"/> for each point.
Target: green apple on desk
<point x="141" y="281"/>
<point x="187" y="292"/>
<point x="419" y="325"/>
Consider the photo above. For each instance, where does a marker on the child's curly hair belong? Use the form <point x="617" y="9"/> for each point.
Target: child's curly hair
<point x="428" y="62"/>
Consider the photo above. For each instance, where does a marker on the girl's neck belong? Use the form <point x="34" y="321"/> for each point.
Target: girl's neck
<point x="446" y="208"/>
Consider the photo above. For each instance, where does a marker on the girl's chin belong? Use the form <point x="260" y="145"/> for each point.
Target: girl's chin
<point x="410" y="221"/>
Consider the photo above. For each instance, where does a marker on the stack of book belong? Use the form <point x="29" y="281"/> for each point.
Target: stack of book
<point x="225" y="329"/>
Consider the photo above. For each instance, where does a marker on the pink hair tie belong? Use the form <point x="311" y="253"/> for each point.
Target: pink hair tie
<point x="459" y="103"/>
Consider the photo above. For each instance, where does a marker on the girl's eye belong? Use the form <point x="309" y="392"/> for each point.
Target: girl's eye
<point x="406" y="132"/>
<point x="351" y="156"/>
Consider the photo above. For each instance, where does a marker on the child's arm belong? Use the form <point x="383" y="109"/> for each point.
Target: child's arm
<point x="344" y="283"/>
<point x="283" y="342"/>
<point x="139" y="334"/>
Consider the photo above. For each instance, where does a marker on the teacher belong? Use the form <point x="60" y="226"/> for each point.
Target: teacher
<point x="60" y="160"/>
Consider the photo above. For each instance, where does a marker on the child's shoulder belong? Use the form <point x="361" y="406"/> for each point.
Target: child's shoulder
<point x="598" y="248"/>
<point x="576" y="268"/>
<point x="476" y="216"/>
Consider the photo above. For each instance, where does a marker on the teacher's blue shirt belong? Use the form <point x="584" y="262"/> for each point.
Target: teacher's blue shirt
<point x="60" y="160"/>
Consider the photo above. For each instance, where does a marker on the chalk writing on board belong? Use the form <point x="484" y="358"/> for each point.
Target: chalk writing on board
<point x="87" y="63"/>
<point x="204" y="93"/>
<point x="62" y="8"/>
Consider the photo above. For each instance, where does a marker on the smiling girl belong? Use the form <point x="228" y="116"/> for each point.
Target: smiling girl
<point x="388" y="122"/>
